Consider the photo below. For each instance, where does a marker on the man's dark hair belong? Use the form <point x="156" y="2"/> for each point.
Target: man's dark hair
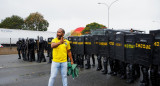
<point x="62" y="30"/>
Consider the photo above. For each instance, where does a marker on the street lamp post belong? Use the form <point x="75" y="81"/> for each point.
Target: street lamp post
<point x="108" y="6"/>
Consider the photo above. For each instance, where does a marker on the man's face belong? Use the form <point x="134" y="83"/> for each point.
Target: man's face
<point x="60" y="34"/>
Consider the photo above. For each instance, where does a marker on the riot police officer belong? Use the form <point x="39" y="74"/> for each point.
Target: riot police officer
<point x="31" y="48"/>
<point x="23" y="49"/>
<point x="141" y="53"/>
<point x="88" y="50"/>
<point x="41" y="46"/>
<point x="155" y="67"/>
<point x="49" y="49"/>
<point x="19" y="43"/>
<point x="27" y="49"/>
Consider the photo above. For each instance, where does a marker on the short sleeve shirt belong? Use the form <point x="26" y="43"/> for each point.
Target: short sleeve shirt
<point x="60" y="53"/>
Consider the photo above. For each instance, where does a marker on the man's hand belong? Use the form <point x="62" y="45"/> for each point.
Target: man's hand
<point x="62" y="40"/>
<point x="72" y="62"/>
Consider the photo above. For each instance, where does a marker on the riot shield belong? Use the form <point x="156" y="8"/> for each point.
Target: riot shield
<point x="103" y="49"/>
<point x="80" y="45"/>
<point x="129" y="46"/>
<point x="95" y="44"/>
<point x="143" y="52"/>
<point x="119" y="47"/>
<point x="156" y="47"/>
<point x="75" y="44"/>
<point x="112" y="36"/>
<point x="88" y="45"/>
<point x="49" y="43"/>
<point x="70" y="39"/>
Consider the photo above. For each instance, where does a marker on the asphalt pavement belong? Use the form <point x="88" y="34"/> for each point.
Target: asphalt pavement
<point x="16" y="72"/>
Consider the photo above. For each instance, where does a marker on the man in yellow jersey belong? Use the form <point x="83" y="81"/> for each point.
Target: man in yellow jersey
<point x="61" y="48"/>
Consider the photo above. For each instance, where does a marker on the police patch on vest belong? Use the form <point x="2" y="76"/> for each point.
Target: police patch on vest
<point x="65" y="43"/>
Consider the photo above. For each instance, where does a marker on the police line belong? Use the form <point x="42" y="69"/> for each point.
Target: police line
<point x="122" y="48"/>
<point x="121" y="41"/>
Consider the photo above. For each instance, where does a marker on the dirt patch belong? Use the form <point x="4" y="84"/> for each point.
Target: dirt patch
<point x="8" y="50"/>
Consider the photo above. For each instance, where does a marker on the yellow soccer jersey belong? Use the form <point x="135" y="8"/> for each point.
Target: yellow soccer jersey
<point x="60" y="53"/>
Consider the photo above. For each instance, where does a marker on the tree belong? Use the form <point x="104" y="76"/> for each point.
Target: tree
<point x="35" y="21"/>
<point x="92" y="26"/>
<point x="13" y="22"/>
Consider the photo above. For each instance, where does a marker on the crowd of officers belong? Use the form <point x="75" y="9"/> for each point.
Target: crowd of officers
<point x="126" y="51"/>
<point x="27" y="48"/>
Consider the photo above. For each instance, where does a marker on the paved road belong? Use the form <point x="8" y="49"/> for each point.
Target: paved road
<point x="15" y="72"/>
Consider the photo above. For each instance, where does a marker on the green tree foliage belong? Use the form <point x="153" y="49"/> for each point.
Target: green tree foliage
<point x="35" y="21"/>
<point x="13" y="22"/>
<point x="92" y="26"/>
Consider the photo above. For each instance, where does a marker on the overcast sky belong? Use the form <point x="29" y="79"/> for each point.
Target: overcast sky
<point x="71" y="14"/>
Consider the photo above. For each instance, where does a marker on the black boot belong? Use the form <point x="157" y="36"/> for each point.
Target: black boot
<point x="99" y="63"/>
<point x="19" y="57"/>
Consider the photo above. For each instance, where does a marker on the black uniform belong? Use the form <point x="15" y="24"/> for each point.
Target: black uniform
<point x="41" y="46"/>
<point x="31" y="48"/>
<point x="80" y="51"/>
<point x="27" y="49"/>
<point x="19" y="44"/>
<point x="88" y="49"/>
<point x="143" y="55"/>
<point x="155" y="68"/>
<point x="133" y="70"/>
<point x="49" y="49"/>
<point x="23" y="49"/>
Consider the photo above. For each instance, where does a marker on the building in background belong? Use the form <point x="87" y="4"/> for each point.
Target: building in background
<point x="11" y="36"/>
